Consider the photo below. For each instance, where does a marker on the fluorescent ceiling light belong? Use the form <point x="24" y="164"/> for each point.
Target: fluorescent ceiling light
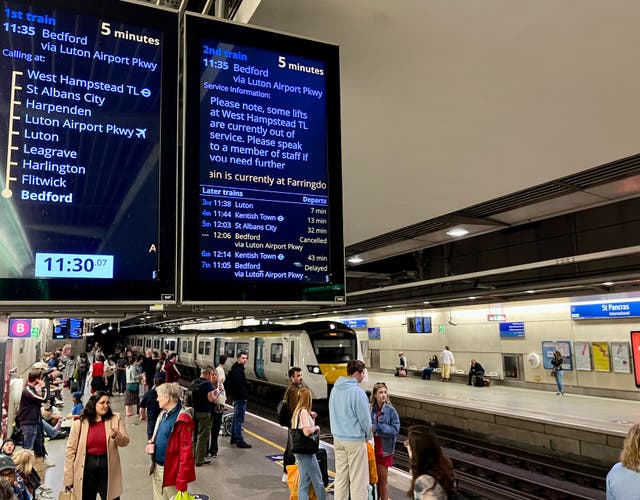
<point x="426" y="302"/>
<point x="456" y="232"/>
<point x="473" y="298"/>
<point x="531" y="291"/>
<point x="355" y="260"/>
<point x="608" y="283"/>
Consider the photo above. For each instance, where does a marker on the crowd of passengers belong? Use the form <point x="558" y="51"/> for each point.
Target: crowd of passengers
<point x="183" y="435"/>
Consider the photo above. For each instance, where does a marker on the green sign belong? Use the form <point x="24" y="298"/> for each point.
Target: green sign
<point x="35" y="332"/>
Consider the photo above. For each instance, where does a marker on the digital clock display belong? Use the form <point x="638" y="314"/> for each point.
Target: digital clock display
<point x="87" y="129"/>
<point x="61" y="265"/>
<point x="263" y="207"/>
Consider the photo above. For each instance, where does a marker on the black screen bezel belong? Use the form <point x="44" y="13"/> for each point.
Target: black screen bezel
<point x="78" y="290"/>
<point x="193" y="288"/>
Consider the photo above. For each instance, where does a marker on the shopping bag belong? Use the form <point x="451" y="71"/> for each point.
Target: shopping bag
<point x="373" y="470"/>
<point x="293" y="481"/>
<point x="183" y="495"/>
<point x="66" y="495"/>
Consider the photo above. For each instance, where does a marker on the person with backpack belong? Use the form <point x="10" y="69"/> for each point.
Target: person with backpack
<point x="203" y="395"/>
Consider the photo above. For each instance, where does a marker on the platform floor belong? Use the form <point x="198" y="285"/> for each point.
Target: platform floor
<point x="237" y="473"/>
<point x="592" y="413"/>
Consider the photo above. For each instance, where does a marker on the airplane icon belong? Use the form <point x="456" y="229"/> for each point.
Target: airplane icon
<point x="141" y="133"/>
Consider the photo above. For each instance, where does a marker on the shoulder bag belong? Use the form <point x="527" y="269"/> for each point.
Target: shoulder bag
<point x="304" y="445"/>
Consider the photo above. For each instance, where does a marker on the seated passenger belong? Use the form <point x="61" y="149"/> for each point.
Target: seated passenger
<point x="402" y="367"/>
<point x="476" y="374"/>
<point x="77" y="403"/>
<point x="433" y="364"/>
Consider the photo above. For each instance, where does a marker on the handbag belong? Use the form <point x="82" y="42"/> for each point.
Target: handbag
<point x="373" y="470"/>
<point x="553" y="373"/>
<point x="304" y="445"/>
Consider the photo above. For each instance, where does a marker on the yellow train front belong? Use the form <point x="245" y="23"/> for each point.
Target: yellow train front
<point x="320" y="348"/>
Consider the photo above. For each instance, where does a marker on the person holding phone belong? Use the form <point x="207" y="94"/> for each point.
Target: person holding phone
<point x="92" y="461"/>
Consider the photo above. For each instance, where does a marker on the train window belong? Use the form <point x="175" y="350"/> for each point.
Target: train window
<point x="190" y="346"/>
<point x="230" y="350"/>
<point x="207" y="348"/>
<point x="201" y="347"/>
<point x="334" y="350"/>
<point x="243" y="347"/>
<point x="148" y="343"/>
<point x="156" y="343"/>
<point x="170" y="345"/>
<point x="139" y="342"/>
<point x="276" y="353"/>
<point x="184" y="347"/>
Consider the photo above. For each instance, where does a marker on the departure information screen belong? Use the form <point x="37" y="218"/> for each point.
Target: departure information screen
<point x="84" y="137"/>
<point x="263" y="188"/>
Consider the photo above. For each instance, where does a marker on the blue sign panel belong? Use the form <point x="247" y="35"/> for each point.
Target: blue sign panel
<point x="355" y="323"/>
<point x="605" y="310"/>
<point x="514" y="329"/>
<point x="374" y="333"/>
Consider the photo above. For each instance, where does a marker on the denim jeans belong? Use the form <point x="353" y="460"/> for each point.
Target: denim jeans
<point x="49" y="429"/>
<point x="560" y="380"/>
<point x="29" y="433"/>
<point x="310" y="474"/>
<point x="239" y="409"/>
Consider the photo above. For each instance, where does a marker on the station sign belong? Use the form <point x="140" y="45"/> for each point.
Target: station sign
<point x="603" y="310"/>
<point x="355" y="323"/>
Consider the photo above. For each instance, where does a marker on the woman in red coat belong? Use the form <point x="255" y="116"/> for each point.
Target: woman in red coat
<point x="171" y="445"/>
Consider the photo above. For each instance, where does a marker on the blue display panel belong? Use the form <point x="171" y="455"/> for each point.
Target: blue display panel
<point x="603" y="310"/>
<point x="512" y="330"/>
<point x="68" y="328"/>
<point x="262" y="191"/>
<point x="88" y="146"/>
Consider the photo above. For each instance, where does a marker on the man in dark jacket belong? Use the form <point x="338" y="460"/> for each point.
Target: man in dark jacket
<point x="29" y="416"/>
<point x="238" y="388"/>
<point x="476" y="370"/>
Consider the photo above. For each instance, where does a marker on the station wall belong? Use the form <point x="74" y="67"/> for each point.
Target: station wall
<point x="473" y="336"/>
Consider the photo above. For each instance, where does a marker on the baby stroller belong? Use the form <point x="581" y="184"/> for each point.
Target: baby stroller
<point x="225" y="428"/>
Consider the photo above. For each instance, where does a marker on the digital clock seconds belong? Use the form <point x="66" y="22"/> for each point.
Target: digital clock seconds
<point x="68" y="265"/>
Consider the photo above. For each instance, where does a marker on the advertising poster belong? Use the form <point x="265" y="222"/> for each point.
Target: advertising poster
<point x="550" y="346"/>
<point x="583" y="356"/>
<point x="620" y="356"/>
<point x="600" y="353"/>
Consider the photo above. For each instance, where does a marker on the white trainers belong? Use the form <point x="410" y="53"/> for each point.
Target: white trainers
<point x="285" y="476"/>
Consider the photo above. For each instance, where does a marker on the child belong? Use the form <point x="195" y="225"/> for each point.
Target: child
<point x="77" y="404"/>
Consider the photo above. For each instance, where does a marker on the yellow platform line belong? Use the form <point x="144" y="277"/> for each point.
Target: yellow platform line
<point x="275" y="445"/>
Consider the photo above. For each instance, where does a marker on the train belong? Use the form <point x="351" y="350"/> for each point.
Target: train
<point x="321" y="348"/>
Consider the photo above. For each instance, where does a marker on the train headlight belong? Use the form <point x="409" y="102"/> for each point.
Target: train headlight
<point x="314" y="369"/>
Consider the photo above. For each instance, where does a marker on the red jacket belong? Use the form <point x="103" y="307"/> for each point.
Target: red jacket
<point x="179" y="467"/>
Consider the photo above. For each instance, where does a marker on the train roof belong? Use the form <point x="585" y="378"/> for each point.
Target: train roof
<point x="308" y="326"/>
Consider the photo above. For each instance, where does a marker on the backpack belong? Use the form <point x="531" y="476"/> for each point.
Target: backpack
<point x="284" y="415"/>
<point x="193" y="396"/>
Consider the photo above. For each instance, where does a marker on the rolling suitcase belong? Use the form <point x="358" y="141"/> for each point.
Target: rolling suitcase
<point x="321" y="455"/>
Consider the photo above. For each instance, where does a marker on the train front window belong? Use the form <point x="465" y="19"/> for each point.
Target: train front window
<point x="334" y="350"/>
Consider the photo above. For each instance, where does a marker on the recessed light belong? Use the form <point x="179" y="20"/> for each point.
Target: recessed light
<point x="608" y="283"/>
<point x="355" y="260"/>
<point x="426" y="302"/>
<point x="359" y="308"/>
<point x="389" y="306"/>
<point x="456" y="232"/>
<point x="473" y="298"/>
<point x="531" y="291"/>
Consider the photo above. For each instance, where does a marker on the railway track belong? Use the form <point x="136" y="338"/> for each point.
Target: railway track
<point x="485" y="470"/>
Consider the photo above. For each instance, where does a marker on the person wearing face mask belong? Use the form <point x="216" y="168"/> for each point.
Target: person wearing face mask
<point x="92" y="462"/>
<point x="386" y="426"/>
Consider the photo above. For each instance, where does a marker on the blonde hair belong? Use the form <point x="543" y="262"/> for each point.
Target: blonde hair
<point x="24" y="460"/>
<point x="170" y="389"/>
<point x="630" y="455"/>
<point x="304" y="402"/>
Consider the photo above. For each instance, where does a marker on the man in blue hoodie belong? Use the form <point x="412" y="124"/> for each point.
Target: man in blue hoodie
<point x="350" y="420"/>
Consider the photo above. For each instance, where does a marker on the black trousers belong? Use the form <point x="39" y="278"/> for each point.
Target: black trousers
<point x="96" y="476"/>
<point x="216" y="422"/>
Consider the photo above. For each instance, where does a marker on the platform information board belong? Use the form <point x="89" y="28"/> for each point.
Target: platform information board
<point x="81" y="121"/>
<point x="262" y="168"/>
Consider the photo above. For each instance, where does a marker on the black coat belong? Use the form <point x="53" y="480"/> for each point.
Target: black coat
<point x="236" y="384"/>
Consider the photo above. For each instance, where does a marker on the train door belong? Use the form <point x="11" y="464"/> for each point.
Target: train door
<point x="258" y="360"/>
<point x="218" y="349"/>
<point x="292" y="352"/>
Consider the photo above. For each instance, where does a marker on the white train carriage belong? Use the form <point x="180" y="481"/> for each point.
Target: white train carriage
<point x="321" y="349"/>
